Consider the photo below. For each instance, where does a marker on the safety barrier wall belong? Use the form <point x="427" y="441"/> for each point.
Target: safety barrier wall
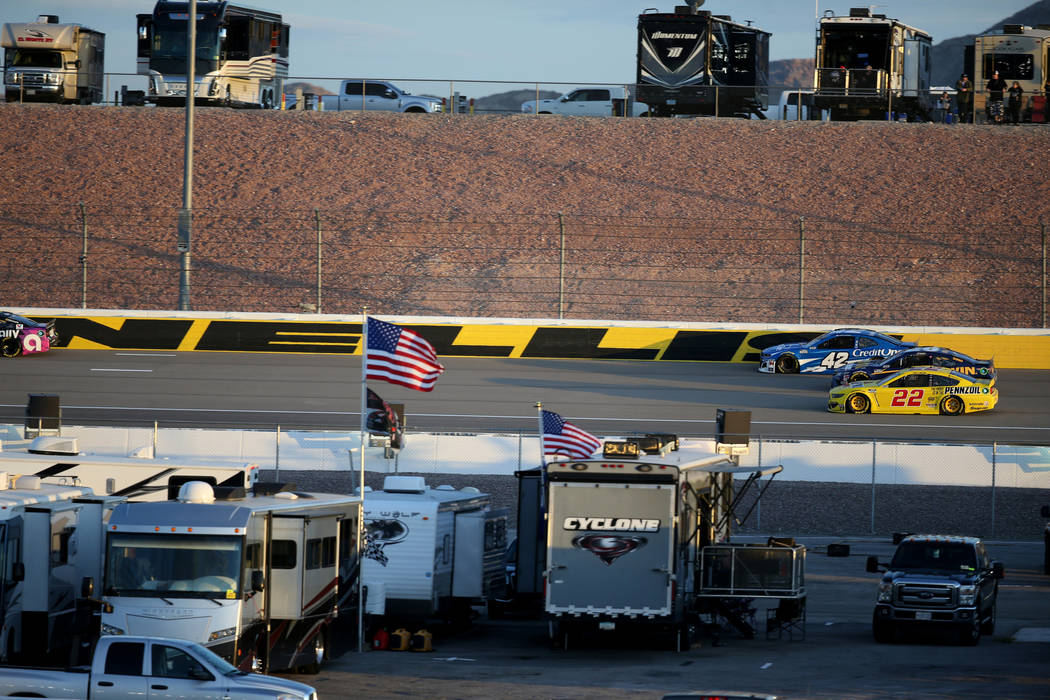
<point x="497" y="337"/>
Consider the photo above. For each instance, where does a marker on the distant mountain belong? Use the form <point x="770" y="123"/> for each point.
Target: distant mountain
<point x="948" y="54"/>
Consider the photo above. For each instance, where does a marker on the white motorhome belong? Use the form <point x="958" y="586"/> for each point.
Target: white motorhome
<point x="433" y="551"/>
<point x="132" y="478"/>
<point x="259" y="578"/>
<point x="48" y="61"/>
<point x="50" y="554"/>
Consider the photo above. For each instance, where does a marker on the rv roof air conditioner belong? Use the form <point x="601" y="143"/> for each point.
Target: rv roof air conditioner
<point x="404" y="484"/>
<point x="53" y="445"/>
<point x="859" y="12"/>
<point x="470" y="489"/>
<point x="196" y="492"/>
<point x="28" y="483"/>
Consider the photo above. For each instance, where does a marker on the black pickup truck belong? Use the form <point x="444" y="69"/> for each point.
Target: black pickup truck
<point x="940" y="581"/>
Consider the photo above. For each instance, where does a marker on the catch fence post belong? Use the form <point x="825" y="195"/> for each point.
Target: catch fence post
<point x="801" y="266"/>
<point x="277" y="455"/>
<point x="561" y="266"/>
<point x="993" y="485"/>
<point x="874" y="444"/>
<point x="317" y="221"/>
<point x="1042" y="227"/>
<point x="83" y="258"/>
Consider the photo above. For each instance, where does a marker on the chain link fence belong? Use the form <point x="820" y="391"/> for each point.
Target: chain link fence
<point x="530" y="265"/>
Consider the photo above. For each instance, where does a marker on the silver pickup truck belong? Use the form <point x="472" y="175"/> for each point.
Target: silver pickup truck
<point x="149" y="667"/>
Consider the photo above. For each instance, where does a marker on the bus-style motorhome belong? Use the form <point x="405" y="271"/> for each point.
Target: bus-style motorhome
<point x="256" y="577"/>
<point x="241" y="54"/>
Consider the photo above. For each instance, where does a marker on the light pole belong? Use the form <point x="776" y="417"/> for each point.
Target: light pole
<point x="185" y="223"/>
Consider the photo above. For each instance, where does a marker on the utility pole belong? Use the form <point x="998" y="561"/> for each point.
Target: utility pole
<point x="185" y="223"/>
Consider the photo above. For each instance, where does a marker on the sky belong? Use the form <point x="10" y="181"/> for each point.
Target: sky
<point x="528" y="41"/>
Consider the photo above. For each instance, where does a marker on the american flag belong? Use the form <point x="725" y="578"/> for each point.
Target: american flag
<point x="562" y="437"/>
<point x="400" y="356"/>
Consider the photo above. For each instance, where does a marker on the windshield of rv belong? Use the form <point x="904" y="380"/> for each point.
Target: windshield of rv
<point x="173" y="566"/>
<point x="168" y="54"/>
<point x="855" y="47"/>
<point x="33" y="58"/>
<point x="956" y="557"/>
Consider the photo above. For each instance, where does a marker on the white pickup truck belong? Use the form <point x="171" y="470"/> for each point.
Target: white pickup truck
<point x="589" y="102"/>
<point x="149" y="667"/>
<point x="374" y="96"/>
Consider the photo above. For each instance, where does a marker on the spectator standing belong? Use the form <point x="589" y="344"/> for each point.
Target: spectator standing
<point x="1016" y="100"/>
<point x="944" y="108"/>
<point x="996" y="87"/>
<point x="964" y="98"/>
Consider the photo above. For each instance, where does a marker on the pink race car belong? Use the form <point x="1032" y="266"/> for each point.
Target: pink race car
<point x="24" y="336"/>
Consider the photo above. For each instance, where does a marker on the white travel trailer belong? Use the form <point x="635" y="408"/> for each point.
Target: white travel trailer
<point x="433" y="551"/>
<point x="127" y="477"/>
<point x="259" y="578"/>
<point x="50" y="554"/>
<point x="1018" y="53"/>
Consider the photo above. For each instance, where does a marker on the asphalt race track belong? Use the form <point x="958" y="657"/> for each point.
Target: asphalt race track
<point x="606" y="397"/>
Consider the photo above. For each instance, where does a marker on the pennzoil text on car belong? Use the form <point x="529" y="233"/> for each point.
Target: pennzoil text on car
<point x="862" y="370"/>
<point x="829" y="352"/>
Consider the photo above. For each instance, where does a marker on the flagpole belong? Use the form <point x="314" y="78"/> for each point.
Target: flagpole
<point x="361" y="489"/>
<point x="539" y="416"/>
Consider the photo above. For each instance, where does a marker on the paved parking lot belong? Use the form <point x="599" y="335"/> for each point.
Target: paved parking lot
<point x="511" y="659"/>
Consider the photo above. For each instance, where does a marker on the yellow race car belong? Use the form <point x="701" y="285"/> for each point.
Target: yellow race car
<point x="916" y="390"/>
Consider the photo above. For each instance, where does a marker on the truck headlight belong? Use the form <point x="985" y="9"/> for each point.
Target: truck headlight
<point x="14" y="78"/>
<point x="110" y="629"/>
<point x="967" y="595"/>
<point x="53" y="78"/>
<point x="222" y="634"/>
<point x="526" y="108"/>
<point x="885" y="594"/>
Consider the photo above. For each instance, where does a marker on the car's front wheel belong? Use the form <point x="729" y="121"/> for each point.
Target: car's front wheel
<point x="970" y="633"/>
<point x="988" y="625"/>
<point x="952" y="406"/>
<point x="787" y="364"/>
<point x="882" y="630"/>
<point x="10" y="347"/>
<point x="858" y="403"/>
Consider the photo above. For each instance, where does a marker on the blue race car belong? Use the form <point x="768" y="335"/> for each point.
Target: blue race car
<point x="830" y="352"/>
<point x="862" y="370"/>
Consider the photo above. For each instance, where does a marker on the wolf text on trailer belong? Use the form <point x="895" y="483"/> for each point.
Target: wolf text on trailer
<point x="869" y="66"/>
<point x="693" y="63"/>
<point x="51" y="62"/>
<point x="241" y="54"/>
<point x="258" y="578"/>
<point x="1018" y="53"/>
